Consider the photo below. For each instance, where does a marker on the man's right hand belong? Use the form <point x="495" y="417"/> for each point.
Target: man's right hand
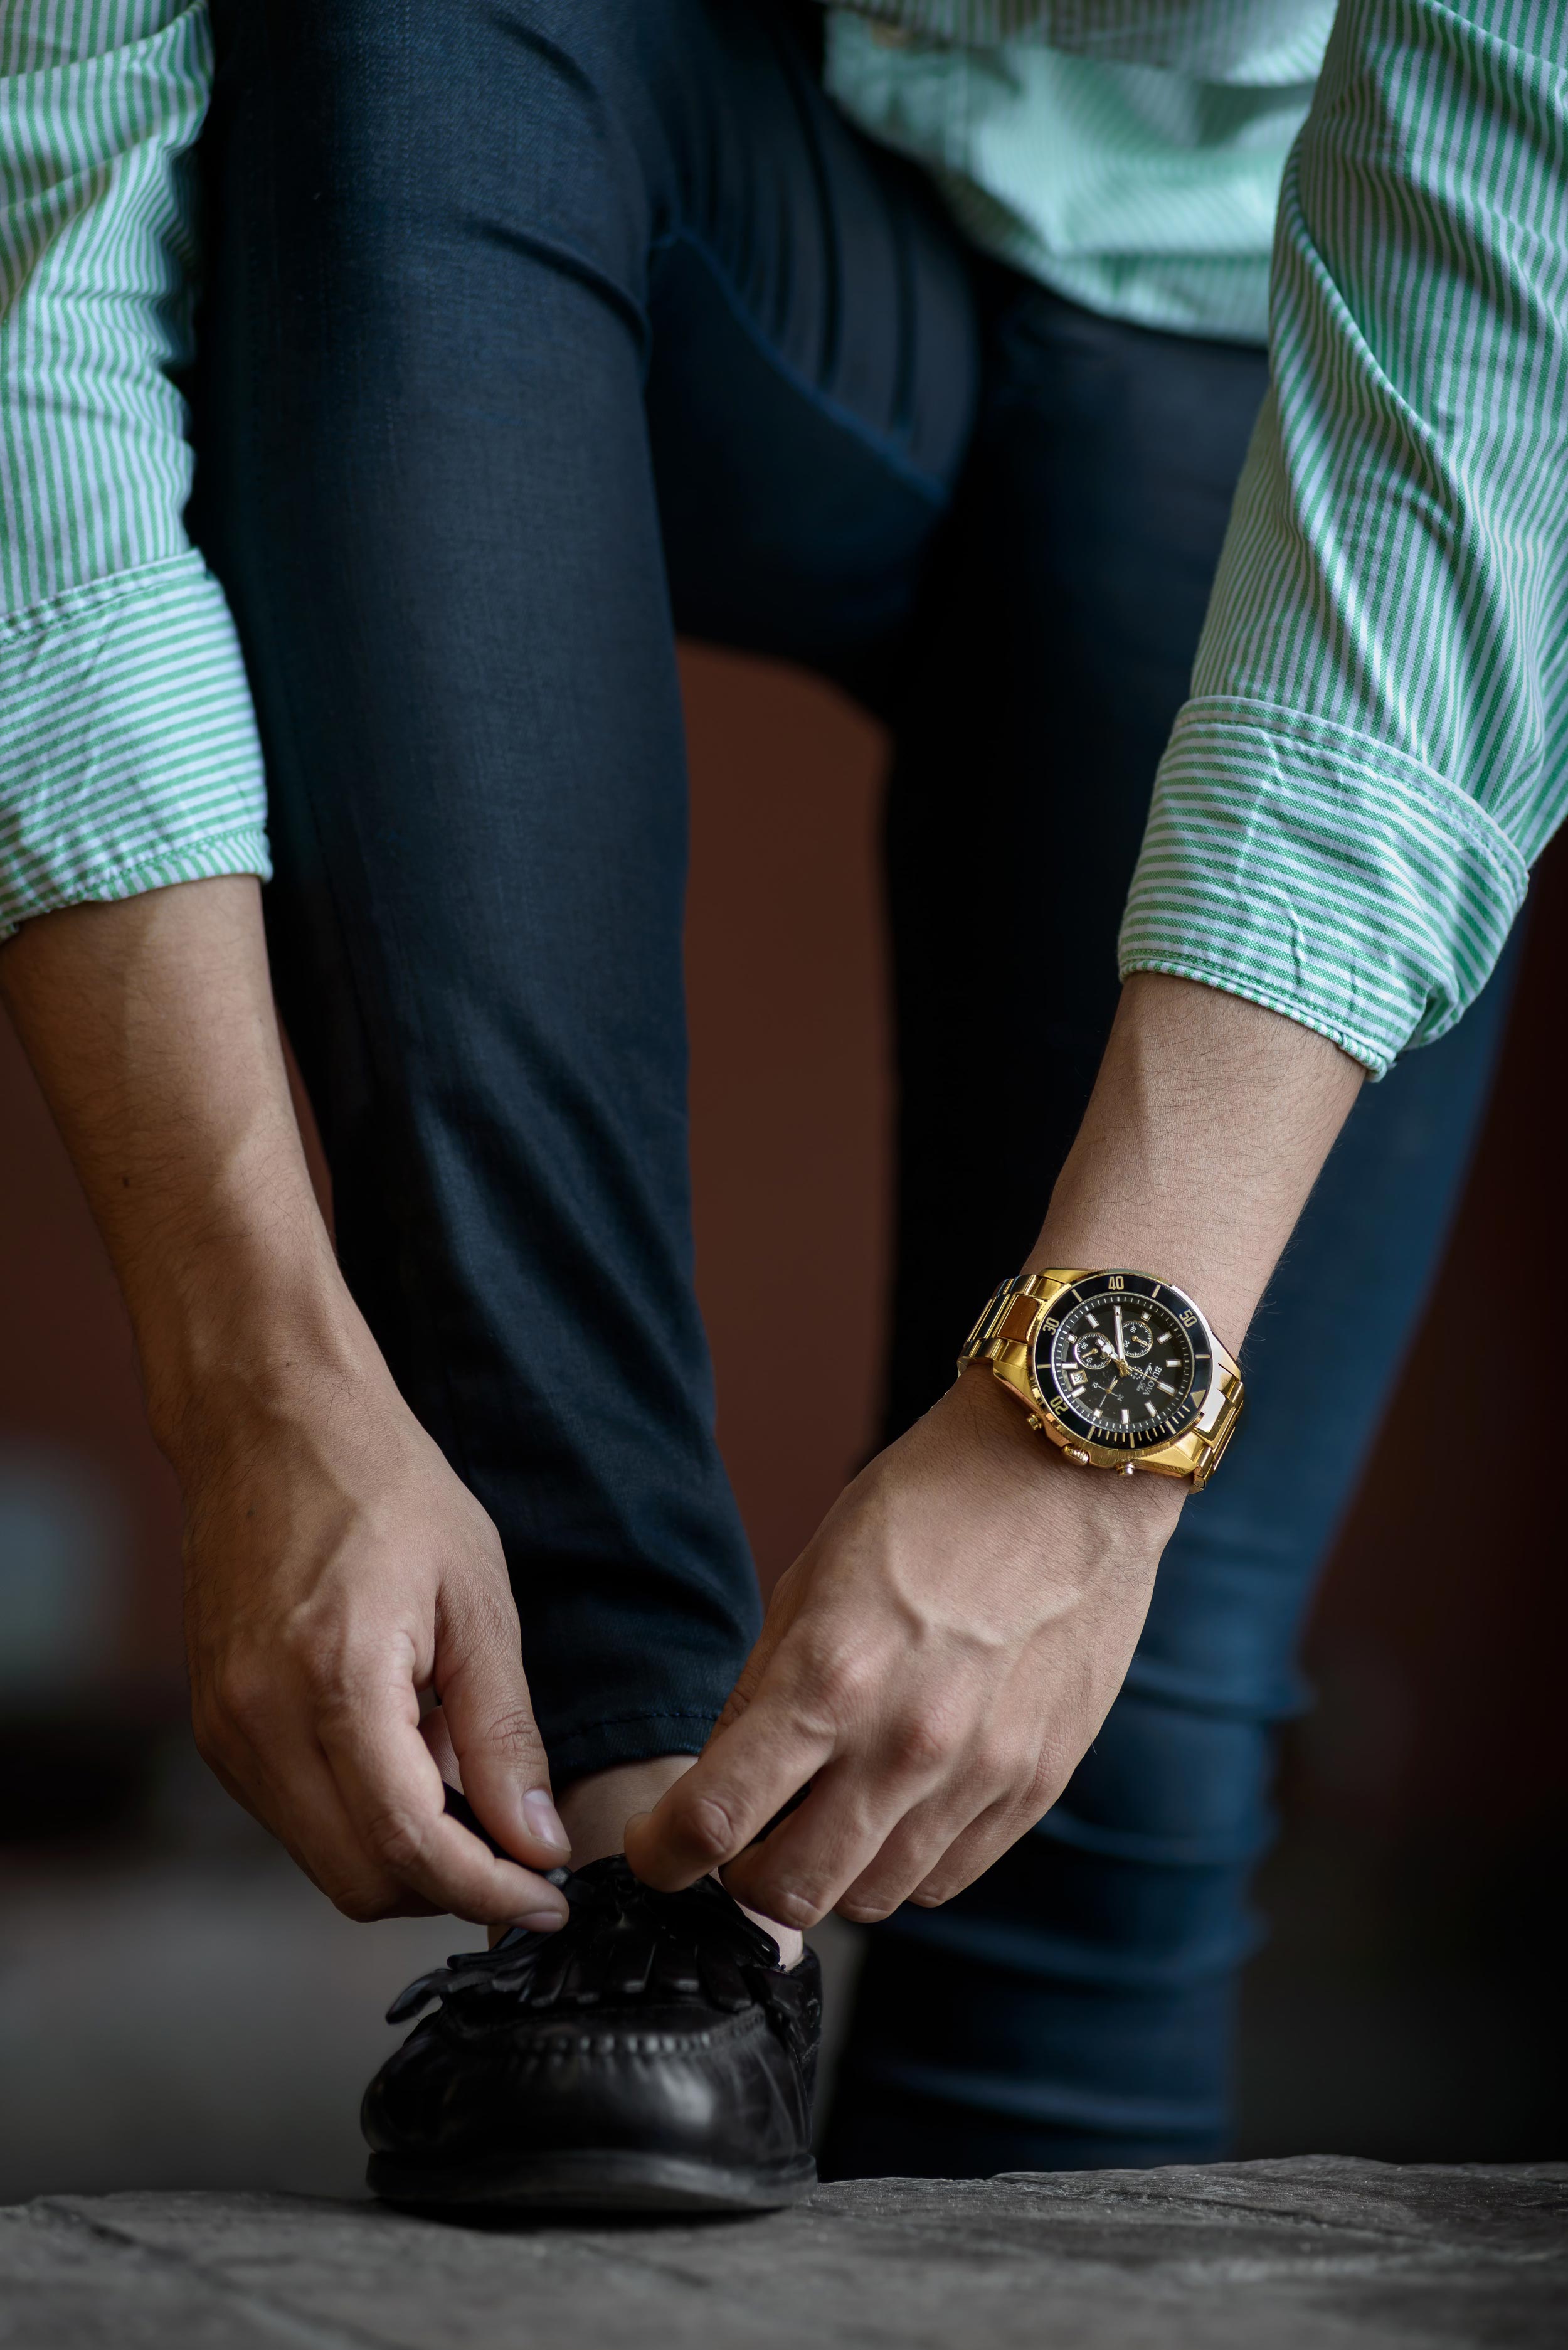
<point x="340" y="1576"/>
<point x="337" y="1575"/>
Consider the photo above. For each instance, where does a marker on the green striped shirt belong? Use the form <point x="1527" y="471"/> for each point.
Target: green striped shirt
<point x="1377" y="746"/>
<point x="1129" y="160"/>
<point x="128" y="749"/>
<point x="1375" y="750"/>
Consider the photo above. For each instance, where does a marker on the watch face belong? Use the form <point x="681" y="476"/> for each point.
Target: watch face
<point x="1124" y="1361"/>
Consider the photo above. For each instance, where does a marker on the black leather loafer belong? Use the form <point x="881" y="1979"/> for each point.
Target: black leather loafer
<point x="652" y="2054"/>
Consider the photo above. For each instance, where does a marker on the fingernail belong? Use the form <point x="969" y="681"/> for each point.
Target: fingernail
<point x="544" y="1821"/>
<point x="542" y="1921"/>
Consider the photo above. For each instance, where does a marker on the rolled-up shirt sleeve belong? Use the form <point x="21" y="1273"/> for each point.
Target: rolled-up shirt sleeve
<point x="1376" y="745"/>
<point x="129" y="756"/>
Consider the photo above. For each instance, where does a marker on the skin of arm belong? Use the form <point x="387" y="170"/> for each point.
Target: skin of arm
<point x="935" y="1663"/>
<point x="338" y="1572"/>
<point x="942" y="1655"/>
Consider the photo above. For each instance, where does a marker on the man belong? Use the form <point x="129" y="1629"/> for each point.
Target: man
<point x="523" y="323"/>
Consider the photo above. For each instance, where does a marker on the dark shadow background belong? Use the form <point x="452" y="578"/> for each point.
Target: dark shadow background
<point x="177" y="2007"/>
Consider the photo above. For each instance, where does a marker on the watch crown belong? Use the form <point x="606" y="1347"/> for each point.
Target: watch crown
<point x="1128" y="1469"/>
<point x="1075" y="1453"/>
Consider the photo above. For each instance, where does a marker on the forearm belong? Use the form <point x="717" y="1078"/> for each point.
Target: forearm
<point x="151" y="1026"/>
<point x="936" y="1662"/>
<point x="1208" y="1124"/>
<point x="337" y="1573"/>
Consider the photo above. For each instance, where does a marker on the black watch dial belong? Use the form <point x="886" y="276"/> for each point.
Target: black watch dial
<point x="1124" y="1361"/>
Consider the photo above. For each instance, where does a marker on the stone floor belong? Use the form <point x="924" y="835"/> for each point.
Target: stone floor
<point x="1310" y="2254"/>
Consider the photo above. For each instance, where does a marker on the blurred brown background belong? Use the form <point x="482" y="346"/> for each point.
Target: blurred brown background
<point x="1408" y="2004"/>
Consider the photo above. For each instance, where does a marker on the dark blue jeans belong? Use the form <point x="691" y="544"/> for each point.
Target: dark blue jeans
<point x="536" y="330"/>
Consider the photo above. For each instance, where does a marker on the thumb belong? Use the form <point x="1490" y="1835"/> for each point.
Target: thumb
<point x="484" y="1694"/>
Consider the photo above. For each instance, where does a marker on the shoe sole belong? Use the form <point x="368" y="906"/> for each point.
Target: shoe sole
<point x="585" y="2180"/>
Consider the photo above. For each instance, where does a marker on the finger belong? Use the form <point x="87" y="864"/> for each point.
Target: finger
<point x="747" y="1771"/>
<point x="303" y="1809"/>
<point x="489" y="1719"/>
<point x="899" y="1746"/>
<point x="392" y="1793"/>
<point x="803" y="1869"/>
<point x="919" y="1852"/>
<point x="978" y="1849"/>
<point x="1001" y="1792"/>
<point x="313" y="1828"/>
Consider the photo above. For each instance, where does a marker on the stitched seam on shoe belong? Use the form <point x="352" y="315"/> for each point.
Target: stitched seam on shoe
<point x="528" y="2032"/>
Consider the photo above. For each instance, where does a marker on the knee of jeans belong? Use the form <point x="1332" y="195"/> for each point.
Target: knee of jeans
<point x="1136" y="1881"/>
<point x="1170" y="1786"/>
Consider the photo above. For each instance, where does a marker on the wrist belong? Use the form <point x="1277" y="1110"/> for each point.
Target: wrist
<point x="251" y="1341"/>
<point x="992" y="1426"/>
<point x="1104" y="1235"/>
<point x="1209" y="1120"/>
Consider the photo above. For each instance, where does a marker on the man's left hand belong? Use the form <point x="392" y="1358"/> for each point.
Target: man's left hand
<point x="934" y="1666"/>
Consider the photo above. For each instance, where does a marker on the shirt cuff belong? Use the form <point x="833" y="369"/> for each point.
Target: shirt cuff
<point x="129" y="756"/>
<point x="1321" y="874"/>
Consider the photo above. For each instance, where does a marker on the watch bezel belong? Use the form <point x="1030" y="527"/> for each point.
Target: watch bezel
<point x="1073" y="1427"/>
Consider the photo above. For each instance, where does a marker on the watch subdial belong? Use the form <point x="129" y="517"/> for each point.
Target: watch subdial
<point x="1138" y="1341"/>
<point x="1094" y="1351"/>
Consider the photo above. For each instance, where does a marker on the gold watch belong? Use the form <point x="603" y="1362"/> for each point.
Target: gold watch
<point x="1119" y="1369"/>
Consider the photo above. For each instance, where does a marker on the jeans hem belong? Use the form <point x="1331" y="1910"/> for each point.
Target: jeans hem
<point x="629" y="1738"/>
